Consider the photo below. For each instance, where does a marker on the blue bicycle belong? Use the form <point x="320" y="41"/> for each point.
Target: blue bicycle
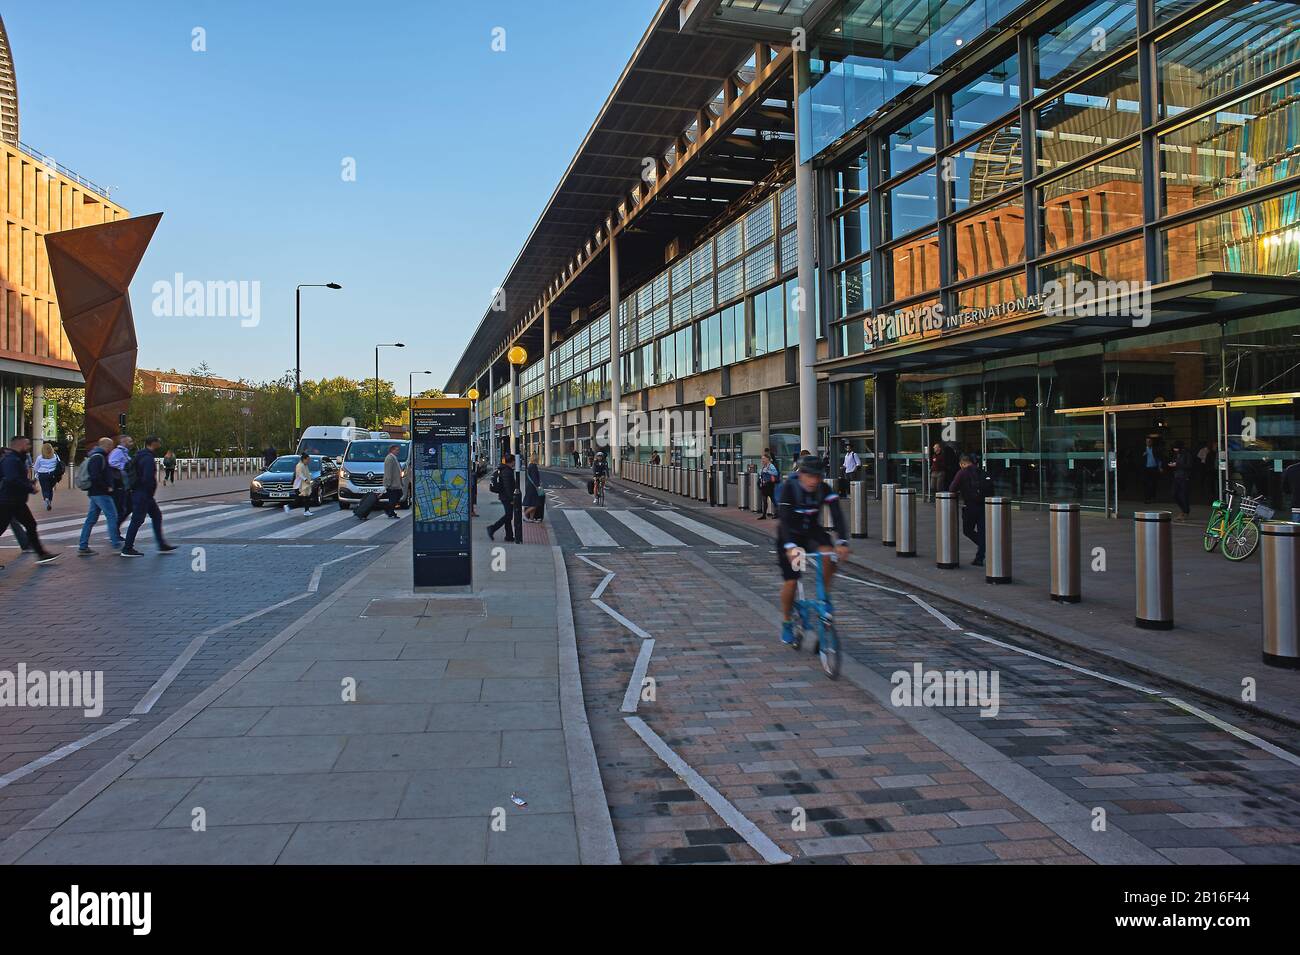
<point x="817" y="617"/>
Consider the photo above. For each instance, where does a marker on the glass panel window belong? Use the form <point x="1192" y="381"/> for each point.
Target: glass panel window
<point x="775" y="298"/>
<point x="710" y="343"/>
<point x="990" y="239"/>
<point x="990" y="97"/>
<point x="852" y="289"/>
<point x="731" y="281"/>
<point x="1095" y="114"/>
<point x="1122" y="262"/>
<point x="760" y="267"/>
<point x="685" y="352"/>
<point x="852" y="340"/>
<point x="1083" y="39"/>
<point x="985" y="168"/>
<point x="852" y="232"/>
<point x="910" y="145"/>
<point x="912" y="204"/>
<point x="729" y="340"/>
<point x="729" y="243"/>
<point x="1096" y="201"/>
<point x="1001" y="300"/>
<point x="1248" y="144"/>
<point x="1261" y="239"/>
<point x="758" y="339"/>
<point x="758" y="225"/>
<point x="913" y="267"/>
<point x="1232" y="44"/>
<point x="667" y="363"/>
<point x="850" y="183"/>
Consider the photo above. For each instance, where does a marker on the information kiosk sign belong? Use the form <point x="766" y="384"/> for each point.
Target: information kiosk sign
<point x="440" y="542"/>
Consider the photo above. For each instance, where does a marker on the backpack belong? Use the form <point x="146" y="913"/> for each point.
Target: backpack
<point x="494" y="482"/>
<point x="83" y="473"/>
<point x="986" y="486"/>
<point x="127" y="477"/>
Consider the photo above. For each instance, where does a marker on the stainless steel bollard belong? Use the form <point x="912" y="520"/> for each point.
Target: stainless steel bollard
<point x="1153" y="550"/>
<point x="1280" y="563"/>
<point x="947" y="531"/>
<point x="720" y="488"/>
<point x="1064" y="553"/>
<point x="858" y="510"/>
<point x="689" y="490"/>
<point x="905" y="518"/>
<point x="888" y="524"/>
<point x="997" y="540"/>
<point x="702" y="485"/>
<point x="751" y="479"/>
<point x="742" y="492"/>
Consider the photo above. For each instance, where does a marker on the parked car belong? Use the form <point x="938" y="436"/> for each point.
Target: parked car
<point x="330" y="439"/>
<point x="362" y="470"/>
<point x="275" y="484"/>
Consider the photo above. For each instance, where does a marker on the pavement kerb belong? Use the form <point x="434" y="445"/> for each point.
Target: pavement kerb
<point x="596" y="842"/>
<point x="1060" y="639"/>
<point x="32" y="834"/>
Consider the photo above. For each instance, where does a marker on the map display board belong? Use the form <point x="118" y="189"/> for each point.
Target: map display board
<point x="440" y="455"/>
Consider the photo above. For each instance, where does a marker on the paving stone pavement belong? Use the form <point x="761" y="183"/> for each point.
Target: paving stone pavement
<point x="771" y="733"/>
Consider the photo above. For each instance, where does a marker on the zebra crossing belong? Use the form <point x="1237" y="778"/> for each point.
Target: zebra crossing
<point x="637" y="528"/>
<point x="211" y="520"/>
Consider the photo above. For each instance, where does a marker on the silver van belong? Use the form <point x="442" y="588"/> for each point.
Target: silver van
<point x="363" y="470"/>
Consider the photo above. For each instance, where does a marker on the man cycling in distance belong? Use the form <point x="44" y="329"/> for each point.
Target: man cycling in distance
<point x="599" y="475"/>
<point x="799" y="508"/>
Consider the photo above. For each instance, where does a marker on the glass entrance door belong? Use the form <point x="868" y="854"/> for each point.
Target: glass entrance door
<point x="1142" y="446"/>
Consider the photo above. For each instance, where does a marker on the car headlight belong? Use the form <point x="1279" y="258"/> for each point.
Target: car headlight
<point x="343" y="474"/>
<point x="257" y="485"/>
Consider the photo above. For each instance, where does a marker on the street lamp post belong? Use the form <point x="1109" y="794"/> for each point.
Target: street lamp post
<point x="297" y="354"/>
<point x="472" y="395"/>
<point x="516" y="356"/>
<point x="410" y="399"/>
<point x="709" y="402"/>
<point x="377" y="347"/>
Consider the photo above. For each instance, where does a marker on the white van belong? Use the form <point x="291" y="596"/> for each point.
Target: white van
<point x="332" y="440"/>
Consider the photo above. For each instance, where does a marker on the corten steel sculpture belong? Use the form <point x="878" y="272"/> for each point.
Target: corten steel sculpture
<point x="92" y="269"/>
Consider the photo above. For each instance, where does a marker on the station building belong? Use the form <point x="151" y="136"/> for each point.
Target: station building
<point x="1045" y="233"/>
<point x="37" y="196"/>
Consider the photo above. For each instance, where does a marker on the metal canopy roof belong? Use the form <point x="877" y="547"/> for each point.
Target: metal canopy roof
<point x="669" y="79"/>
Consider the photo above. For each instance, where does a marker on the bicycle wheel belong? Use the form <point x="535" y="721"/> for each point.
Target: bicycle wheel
<point x="1212" y="531"/>
<point x="1241" y="540"/>
<point x="828" y="646"/>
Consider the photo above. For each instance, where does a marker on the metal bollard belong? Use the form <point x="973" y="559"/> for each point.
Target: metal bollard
<point x="690" y="483"/>
<point x="905" y="518"/>
<point x="888" y="524"/>
<point x="1153" y="549"/>
<point x="858" y="510"/>
<point x="1295" y="515"/>
<point x="702" y="485"/>
<point x="1064" y="553"/>
<point x="997" y="540"/>
<point x="742" y="492"/>
<point x="1280" y="560"/>
<point x="947" y="531"/>
<point x="720" y="488"/>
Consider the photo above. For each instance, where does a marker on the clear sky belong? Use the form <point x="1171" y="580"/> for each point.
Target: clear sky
<point x="242" y="147"/>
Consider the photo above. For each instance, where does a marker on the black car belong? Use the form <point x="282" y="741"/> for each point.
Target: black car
<point x="275" y="484"/>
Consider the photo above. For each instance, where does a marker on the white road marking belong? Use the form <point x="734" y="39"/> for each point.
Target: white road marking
<point x="942" y="618"/>
<point x="645" y="530"/>
<point x="595" y="594"/>
<point x="621" y="619"/>
<point x="587" y="560"/>
<point x="101" y="525"/>
<point x="1263" y="744"/>
<point x="732" y="816"/>
<point x="314" y="584"/>
<point x="368" y="528"/>
<point x="589" y="532"/>
<point x="232" y="510"/>
<point x="703" y="530"/>
<point x="1061" y="663"/>
<point x="867" y="583"/>
<point x="309" y="525"/>
<point x="43" y="526"/>
<point x="276" y="520"/>
<point x="633" y="695"/>
<point x="58" y="754"/>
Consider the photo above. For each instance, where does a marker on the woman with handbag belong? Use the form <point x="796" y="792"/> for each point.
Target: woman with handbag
<point x="534" y="496"/>
<point x="768" y="475"/>
<point x="302" y="484"/>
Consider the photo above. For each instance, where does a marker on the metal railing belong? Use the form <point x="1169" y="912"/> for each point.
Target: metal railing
<point x="51" y="163"/>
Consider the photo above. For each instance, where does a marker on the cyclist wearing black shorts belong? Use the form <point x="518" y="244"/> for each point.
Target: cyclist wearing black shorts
<point x="798" y="509"/>
<point x="599" y="474"/>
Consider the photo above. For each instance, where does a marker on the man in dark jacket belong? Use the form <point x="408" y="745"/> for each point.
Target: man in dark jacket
<point x="15" y="486"/>
<point x="507" y="486"/>
<point x="144" y="485"/>
<point x="100" y="494"/>
<point x="269" y="456"/>
<point x="966" y="485"/>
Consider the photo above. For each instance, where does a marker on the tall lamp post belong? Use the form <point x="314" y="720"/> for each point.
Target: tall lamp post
<point x="297" y="354"/>
<point x="377" y="347"/>
<point x="472" y="395"/>
<point x="709" y="402"/>
<point x="410" y="400"/>
<point x="516" y="356"/>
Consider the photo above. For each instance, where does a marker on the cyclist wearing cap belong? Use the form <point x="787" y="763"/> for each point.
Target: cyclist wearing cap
<point x="599" y="473"/>
<point x="799" y="508"/>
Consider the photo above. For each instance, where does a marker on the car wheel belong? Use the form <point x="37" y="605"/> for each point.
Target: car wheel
<point x="257" y="503"/>
<point x="343" y="505"/>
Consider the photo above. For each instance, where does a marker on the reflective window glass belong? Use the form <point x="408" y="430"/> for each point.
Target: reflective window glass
<point x="1093" y="115"/>
<point x="1083" y="39"/>
<point x="1096" y="201"/>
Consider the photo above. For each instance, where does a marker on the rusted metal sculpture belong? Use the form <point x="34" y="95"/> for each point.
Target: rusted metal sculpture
<point x="92" y="268"/>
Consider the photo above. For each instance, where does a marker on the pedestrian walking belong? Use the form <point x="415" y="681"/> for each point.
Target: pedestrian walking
<point x="475" y="473"/>
<point x="504" y="485"/>
<point x="169" y="466"/>
<point x="968" y="485"/>
<point x="393" y="484"/>
<point x="268" y="456"/>
<point x="119" y="459"/>
<point x="1181" y="465"/>
<point x="533" y="494"/>
<point x="302" y="485"/>
<point x="1150" y="470"/>
<point x="144" y="485"/>
<point x="48" y="469"/>
<point x="15" y="487"/>
<point x="768" y="476"/>
<point x="95" y="477"/>
<point x="849" y="473"/>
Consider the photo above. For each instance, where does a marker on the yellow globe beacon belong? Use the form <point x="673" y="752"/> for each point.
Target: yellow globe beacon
<point x="710" y="401"/>
<point x="472" y="394"/>
<point x="517" y="355"/>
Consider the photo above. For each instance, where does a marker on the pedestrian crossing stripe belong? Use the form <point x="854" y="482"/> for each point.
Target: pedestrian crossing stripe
<point x="597" y="527"/>
<point x="703" y="530"/>
<point x="589" y="532"/>
<point x="648" y="532"/>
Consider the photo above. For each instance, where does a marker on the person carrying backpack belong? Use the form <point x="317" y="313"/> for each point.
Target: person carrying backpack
<point x="971" y="486"/>
<point x="120" y="459"/>
<point x="96" y="478"/>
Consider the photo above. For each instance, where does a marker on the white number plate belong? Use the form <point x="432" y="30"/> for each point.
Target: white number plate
<point x="279" y="493"/>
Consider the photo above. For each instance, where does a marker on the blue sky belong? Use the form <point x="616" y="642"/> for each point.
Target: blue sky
<point x="456" y="147"/>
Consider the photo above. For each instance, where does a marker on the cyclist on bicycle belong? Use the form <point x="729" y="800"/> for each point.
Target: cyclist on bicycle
<point x="599" y="475"/>
<point x="799" y="508"/>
